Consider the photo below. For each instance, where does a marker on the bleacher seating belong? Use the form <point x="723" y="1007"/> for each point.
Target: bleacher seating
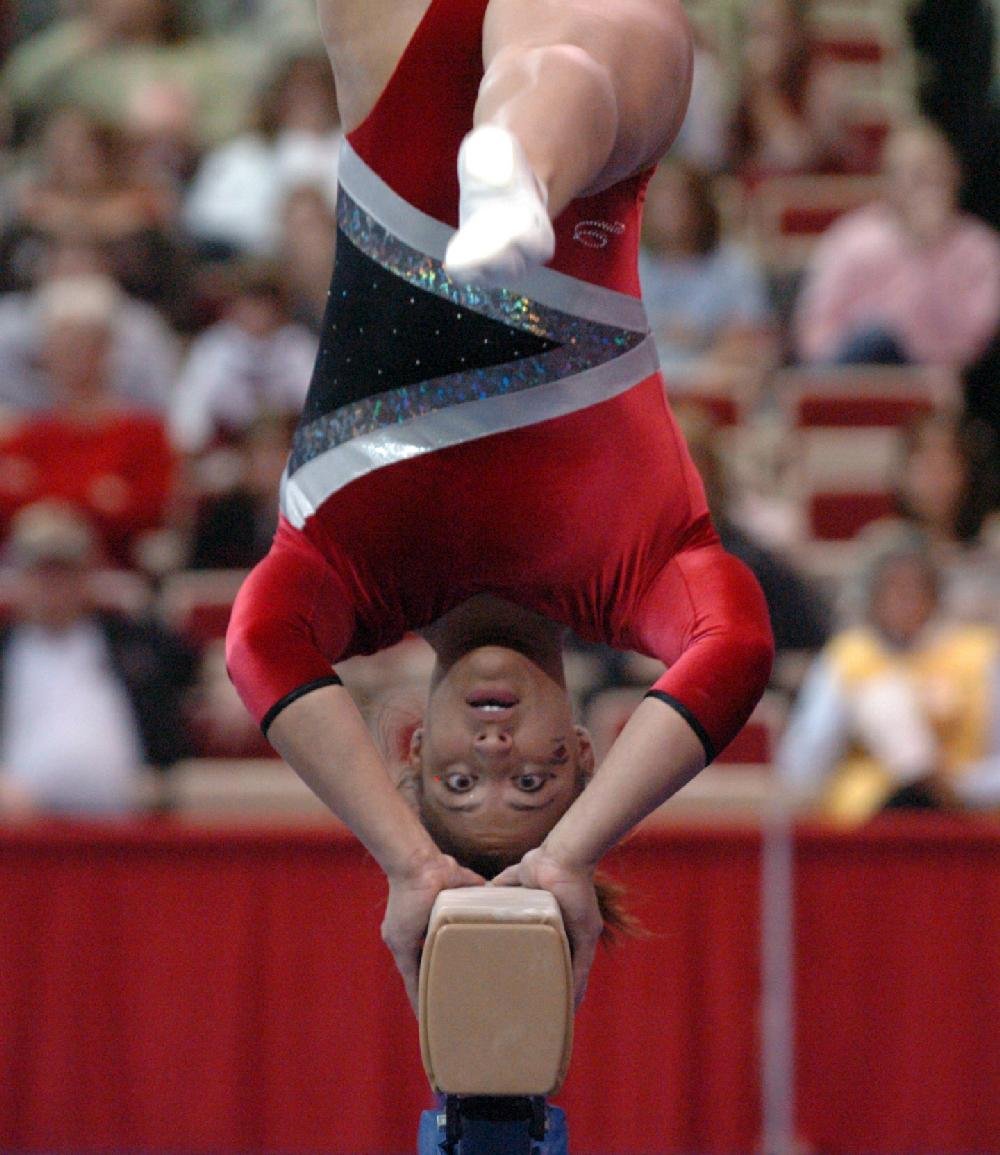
<point x="197" y="603"/>
<point x="847" y="424"/>
<point x="786" y="215"/>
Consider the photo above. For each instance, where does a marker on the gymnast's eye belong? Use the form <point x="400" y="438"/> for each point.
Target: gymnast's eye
<point x="458" y="782"/>
<point x="530" y="782"/>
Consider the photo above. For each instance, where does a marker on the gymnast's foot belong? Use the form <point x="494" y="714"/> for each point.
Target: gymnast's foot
<point x="505" y="228"/>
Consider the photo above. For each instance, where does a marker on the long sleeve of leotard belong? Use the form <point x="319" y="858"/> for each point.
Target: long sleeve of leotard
<point x="291" y="620"/>
<point x="706" y="618"/>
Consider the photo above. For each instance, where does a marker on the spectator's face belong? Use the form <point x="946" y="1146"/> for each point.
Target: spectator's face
<point x="772" y="34"/>
<point x="74" y="158"/>
<point x="76" y="355"/>
<point x="904" y="599"/>
<point x="53" y="595"/>
<point x="935" y="477"/>
<point x="671" y="217"/>
<point x="308" y="99"/>
<point x="923" y="181"/>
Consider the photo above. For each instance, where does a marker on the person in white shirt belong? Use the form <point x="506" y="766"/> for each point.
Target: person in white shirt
<point x="145" y="352"/>
<point x="234" y="201"/>
<point x="88" y="698"/>
<point x="255" y="361"/>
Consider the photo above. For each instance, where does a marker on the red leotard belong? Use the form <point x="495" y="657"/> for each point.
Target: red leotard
<point x="459" y="441"/>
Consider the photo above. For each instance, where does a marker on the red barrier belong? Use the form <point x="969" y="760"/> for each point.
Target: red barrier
<point x="171" y="989"/>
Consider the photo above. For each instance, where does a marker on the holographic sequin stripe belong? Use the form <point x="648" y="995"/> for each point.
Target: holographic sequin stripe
<point x="584" y="345"/>
<point x="396" y="406"/>
<point x="425" y="272"/>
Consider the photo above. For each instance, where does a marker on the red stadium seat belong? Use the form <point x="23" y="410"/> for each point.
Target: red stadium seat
<point x="846" y="47"/>
<point x="839" y="411"/>
<point x="723" y="409"/>
<point x="841" y="516"/>
<point x="874" y="396"/>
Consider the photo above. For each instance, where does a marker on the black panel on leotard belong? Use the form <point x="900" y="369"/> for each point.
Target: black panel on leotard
<point x="380" y="333"/>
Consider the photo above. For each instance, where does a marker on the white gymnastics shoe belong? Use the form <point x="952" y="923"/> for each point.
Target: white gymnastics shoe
<point x="504" y="224"/>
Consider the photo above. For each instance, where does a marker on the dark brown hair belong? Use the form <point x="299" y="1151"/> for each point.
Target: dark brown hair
<point x="270" y="104"/>
<point x="793" y="84"/>
<point x="972" y="443"/>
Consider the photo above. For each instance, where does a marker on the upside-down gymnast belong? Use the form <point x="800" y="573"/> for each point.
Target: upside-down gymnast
<point x="486" y="456"/>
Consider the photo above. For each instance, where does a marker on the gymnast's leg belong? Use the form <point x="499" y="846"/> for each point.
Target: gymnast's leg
<point x="576" y="96"/>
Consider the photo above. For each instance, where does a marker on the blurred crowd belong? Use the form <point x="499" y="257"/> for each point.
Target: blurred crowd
<point x="168" y="183"/>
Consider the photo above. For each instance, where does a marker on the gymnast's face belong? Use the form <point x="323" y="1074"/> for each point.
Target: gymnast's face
<point x="498" y="757"/>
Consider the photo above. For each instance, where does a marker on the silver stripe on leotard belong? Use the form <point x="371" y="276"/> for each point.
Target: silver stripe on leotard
<point x="602" y="352"/>
<point x="581" y="345"/>
<point x="425" y="234"/>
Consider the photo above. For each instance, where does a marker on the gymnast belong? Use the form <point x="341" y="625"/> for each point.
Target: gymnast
<point x="486" y="456"/>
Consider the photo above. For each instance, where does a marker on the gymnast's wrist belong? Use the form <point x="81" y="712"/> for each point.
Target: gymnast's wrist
<point x="412" y="865"/>
<point x="563" y="853"/>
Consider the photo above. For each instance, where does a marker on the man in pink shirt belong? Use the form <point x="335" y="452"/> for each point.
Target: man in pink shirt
<point x="908" y="279"/>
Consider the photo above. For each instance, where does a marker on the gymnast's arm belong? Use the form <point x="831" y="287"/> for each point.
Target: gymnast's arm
<point x="276" y="650"/>
<point x="706" y="617"/>
<point x="594" y="91"/>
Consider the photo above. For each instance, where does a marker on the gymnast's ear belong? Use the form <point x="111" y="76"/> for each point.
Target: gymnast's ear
<point x="406" y="772"/>
<point x="587" y="760"/>
<point x="396" y="719"/>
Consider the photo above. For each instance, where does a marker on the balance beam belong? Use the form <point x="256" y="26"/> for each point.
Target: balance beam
<point x="496" y="1022"/>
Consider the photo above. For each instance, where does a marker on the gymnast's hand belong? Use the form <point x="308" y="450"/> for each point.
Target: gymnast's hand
<point x="573" y="888"/>
<point x="411" y="896"/>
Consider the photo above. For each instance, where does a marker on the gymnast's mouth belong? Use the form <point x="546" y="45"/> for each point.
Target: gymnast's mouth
<point x="494" y="703"/>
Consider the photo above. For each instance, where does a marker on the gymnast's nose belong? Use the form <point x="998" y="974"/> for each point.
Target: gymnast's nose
<point x="492" y="742"/>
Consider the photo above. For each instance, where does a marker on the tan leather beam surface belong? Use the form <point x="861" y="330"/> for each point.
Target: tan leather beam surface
<point x="496" y="993"/>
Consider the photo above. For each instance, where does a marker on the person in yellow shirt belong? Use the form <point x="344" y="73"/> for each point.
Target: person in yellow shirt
<point x="904" y="708"/>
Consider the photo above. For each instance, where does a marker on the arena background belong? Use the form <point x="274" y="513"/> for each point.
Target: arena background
<point x="190" y="960"/>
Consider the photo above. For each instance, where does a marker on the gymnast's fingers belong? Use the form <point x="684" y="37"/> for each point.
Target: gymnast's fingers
<point x="583" y="947"/>
<point x="464" y="877"/>
<point x="509" y="877"/>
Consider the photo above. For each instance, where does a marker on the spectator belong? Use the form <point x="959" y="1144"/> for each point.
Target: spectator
<point x="702" y="141"/>
<point x="254" y="360"/>
<point x="115" y="466"/>
<point x="164" y="148"/>
<point x="800" y="617"/>
<point x="790" y="115"/>
<point x="236" y="517"/>
<point x="82" y="190"/>
<point x="948" y="488"/>
<point x="104" y="56"/>
<point x="144" y="355"/>
<point x="87" y="696"/>
<point x="306" y="251"/>
<point x="957" y="91"/>
<point x="909" y="279"/>
<point x="234" y="203"/>
<point x="902" y="709"/>
<point x="705" y="296"/>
